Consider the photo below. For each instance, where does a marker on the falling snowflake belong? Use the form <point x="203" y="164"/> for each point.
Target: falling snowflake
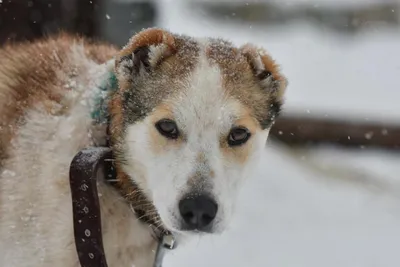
<point x="368" y="135"/>
<point x="108" y="16"/>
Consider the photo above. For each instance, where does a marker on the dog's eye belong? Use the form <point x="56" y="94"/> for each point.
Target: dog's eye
<point x="238" y="136"/>
<point x="168" y="128"/>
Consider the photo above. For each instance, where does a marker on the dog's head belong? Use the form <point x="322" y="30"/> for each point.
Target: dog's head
<point x="189" y="122"/>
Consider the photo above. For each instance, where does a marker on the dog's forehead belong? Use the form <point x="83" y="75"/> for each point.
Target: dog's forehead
<point x="205" y="82"/>
<point x="204" y="102"/>
<point x="209" y="97"/>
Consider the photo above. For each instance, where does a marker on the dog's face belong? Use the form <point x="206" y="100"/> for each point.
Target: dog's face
<point x="194" y="116"/>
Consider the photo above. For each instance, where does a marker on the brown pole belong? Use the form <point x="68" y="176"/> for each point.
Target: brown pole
<point x="307" y="131"/>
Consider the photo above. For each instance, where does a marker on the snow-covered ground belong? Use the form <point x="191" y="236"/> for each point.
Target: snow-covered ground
<point x="293" y="215"/>
<point x="324" y="207"/>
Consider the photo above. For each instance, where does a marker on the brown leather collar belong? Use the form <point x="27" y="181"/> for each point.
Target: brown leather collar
<point x="84" y="171"/>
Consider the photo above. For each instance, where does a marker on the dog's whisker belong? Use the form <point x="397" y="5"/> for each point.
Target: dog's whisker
<point x="141" y="204"/>
<point x="158" y="224"/>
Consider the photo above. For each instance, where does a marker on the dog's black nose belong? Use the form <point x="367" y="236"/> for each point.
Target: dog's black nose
<point x="198" y="212"/>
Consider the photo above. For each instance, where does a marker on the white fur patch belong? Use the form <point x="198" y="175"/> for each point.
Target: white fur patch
<point x="157" y="52"/>
<point x="204" y="113"/>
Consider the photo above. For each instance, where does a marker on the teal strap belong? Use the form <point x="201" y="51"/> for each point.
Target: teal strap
<point x="100" y="106"/>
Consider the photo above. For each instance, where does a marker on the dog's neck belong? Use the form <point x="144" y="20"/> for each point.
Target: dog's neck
<point x="107" y="85"/>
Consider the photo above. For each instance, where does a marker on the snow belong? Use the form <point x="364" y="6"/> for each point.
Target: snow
<point x="293" y="214"/>
<point x="319" y="207"/>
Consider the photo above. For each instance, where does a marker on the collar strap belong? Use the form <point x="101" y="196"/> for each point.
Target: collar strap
<point x="84" y="171"/>
<point x="106" y="84"/>
<point x="99" y="110"/>
<point x="86" y="207"/>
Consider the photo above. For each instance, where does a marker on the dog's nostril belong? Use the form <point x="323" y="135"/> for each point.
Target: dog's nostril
<point x="198" y="212"/>
<point x="189" y="216"/>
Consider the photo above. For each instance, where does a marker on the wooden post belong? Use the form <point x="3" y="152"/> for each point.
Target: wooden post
<point x="308" y="131"/>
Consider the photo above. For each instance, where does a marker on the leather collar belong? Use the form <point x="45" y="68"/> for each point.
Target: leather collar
<point x="84" y="172"/>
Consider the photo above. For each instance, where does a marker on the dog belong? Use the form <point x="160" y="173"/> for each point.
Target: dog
<point x="187" y="120"/>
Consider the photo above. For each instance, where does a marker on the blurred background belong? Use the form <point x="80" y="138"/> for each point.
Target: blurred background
<point x="328" y="191"/>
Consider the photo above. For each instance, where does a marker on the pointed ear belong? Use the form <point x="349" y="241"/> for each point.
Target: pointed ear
<point x="144" y="52"/>
<point x="266" y="71"/>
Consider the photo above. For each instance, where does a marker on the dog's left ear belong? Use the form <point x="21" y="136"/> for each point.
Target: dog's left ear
<point x="266" y="71"/>
<point x="143" y="53"/>
<point x="271" y="81"/>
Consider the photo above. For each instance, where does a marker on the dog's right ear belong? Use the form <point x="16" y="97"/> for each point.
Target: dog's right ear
<point x="143" y="53"/>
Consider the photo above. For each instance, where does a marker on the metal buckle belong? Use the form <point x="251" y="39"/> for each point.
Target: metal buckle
<point x="167" y="242"/>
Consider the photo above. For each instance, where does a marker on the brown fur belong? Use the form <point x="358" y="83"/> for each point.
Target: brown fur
<point x="149" y="37"/>
<point x="251" y="52"/>
<point x="35" y="78"/>
<point x="28" y="77"/>
<point x="240" y="80"/>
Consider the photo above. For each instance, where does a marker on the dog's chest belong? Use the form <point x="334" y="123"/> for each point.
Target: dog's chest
<point x="35" y="201"/>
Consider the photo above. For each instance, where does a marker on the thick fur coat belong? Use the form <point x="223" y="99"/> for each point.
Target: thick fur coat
<point x="206" y="86"/>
